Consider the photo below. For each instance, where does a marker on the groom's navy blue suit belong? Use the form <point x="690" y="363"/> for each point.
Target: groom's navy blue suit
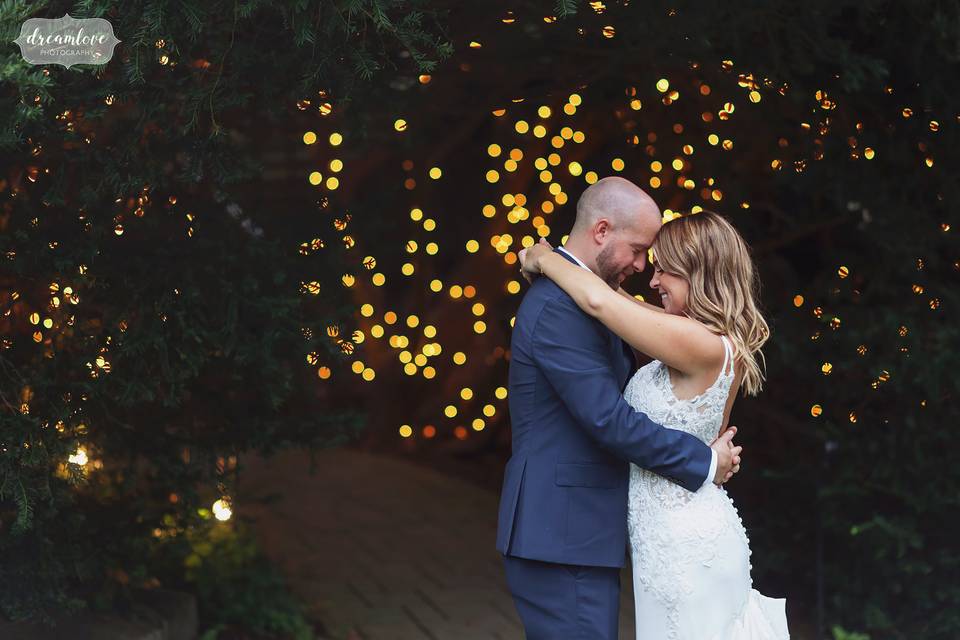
<point x="563" y="510"/>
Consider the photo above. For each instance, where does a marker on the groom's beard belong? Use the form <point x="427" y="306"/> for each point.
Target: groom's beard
<point x="607" y="271"/>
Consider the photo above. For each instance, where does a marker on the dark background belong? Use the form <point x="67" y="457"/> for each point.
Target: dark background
<point x="223" y="297"/>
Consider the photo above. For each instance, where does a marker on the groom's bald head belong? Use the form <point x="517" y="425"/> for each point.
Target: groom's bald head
<point x="616" y="199"/>
<point x="616" y="224"/>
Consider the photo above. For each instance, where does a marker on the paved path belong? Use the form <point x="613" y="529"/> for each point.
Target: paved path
<point x="381" y="549"/>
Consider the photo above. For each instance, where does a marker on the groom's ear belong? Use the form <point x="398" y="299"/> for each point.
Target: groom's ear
<point x="601" y="229"/>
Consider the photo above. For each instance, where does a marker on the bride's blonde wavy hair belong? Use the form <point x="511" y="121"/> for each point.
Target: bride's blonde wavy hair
<point x="705" y="250"/>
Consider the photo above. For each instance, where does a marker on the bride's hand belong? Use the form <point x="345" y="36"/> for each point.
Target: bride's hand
<point x="530" y="259"/>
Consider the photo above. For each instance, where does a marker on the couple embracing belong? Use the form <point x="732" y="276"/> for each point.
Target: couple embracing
<point x="608" y="457"/>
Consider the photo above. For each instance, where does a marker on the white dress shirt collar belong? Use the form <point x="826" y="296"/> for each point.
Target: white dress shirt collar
<point x="579" y="261"/>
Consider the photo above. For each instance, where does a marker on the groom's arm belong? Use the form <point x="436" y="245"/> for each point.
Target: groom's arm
<point x="572" y="351"/>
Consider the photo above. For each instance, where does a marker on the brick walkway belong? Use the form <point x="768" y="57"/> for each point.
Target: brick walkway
<point x="382" y="549"/>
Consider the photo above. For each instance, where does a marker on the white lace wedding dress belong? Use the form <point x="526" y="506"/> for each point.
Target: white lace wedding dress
<point x="690" y="553"/>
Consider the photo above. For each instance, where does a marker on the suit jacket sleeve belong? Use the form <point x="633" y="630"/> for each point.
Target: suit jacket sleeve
<point x="572" y="351"/>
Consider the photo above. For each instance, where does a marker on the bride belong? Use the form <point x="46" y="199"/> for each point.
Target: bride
<point x="689" y="550"/>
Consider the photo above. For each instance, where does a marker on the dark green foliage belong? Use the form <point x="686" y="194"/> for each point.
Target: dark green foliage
<point x="129" y="184"/>
<point x="237" y="587"/>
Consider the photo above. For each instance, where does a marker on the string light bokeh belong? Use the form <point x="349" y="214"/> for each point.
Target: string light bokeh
<point x="676" y="140"/>
<point x="675" y="136"/>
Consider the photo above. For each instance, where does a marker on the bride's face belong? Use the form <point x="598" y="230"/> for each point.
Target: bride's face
<point x="672" y="289"/>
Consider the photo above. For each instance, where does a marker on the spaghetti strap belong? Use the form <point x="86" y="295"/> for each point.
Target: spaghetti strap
<point x="727" y="355"/>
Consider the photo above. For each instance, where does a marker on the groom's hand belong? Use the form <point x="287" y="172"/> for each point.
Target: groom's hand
<point x="728" y="456"/>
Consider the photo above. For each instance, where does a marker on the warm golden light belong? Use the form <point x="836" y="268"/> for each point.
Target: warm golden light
<point x="221" y="509"/>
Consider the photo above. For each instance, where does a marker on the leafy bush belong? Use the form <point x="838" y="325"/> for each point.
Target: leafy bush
<point x="152" y="328"/>
<point x="237" y="588"/>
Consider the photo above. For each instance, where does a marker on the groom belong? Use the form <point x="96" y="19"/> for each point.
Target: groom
<point x="563" y="510"/>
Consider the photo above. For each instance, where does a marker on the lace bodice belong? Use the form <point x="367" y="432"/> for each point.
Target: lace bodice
<point x="651" y="391"/>
<point x="673" y="530"/>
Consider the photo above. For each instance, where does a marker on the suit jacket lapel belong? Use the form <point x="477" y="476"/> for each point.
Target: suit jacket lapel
<point x="624" y="361"/>
<point x="634" y="365"/>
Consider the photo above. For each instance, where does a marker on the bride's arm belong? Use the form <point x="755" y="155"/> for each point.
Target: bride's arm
<point x="680" y="342"/>
<point x="642" y="303"/>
